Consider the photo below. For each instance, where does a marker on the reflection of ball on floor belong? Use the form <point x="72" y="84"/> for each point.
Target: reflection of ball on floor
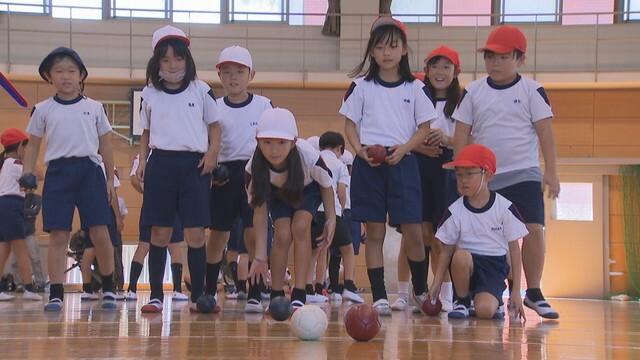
<point x="309" y="322"/>
<point x="362" y="322"/>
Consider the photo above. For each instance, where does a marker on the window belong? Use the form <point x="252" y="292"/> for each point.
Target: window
<point x="426" y="11"/>
<point x="529" y="11"/>
<point x="314" y="10"/>
<point x="25" y="6"/>
<point x="250" y="10"/>
<point x="70" y="9"/>
<point x="462" y="7"/>
<point x="631" y="10"/>
<point x="135" y="8"/>
<point x="575" y="202"/>
<point x="571" y="7"/>
<point x="196" y="11"/>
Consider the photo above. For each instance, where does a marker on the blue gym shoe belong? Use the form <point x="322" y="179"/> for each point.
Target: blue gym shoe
<point x="108" y="300"/>
<point x="54" y="304"/>
<point x="459" y="311"/>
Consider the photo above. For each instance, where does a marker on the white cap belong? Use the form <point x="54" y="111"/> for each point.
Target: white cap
<point x="314" y="141"/>
<point x="277" y="123"/>
<point x="347" y="158"/>
<point x="236" y="54"/>
<point x="168" y="32"/>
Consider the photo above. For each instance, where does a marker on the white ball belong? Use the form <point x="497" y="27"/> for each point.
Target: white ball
<point x="309" y="322"/>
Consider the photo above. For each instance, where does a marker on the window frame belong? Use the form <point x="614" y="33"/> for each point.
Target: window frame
<point x="503" y="16"/>
<point x="46" y="8"/>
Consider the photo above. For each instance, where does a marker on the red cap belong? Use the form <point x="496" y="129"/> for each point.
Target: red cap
<point x="445" y="52"/>
<point x="474" y="155"/>
<point x="505" y="39"/>
<point x="388" y="20"/>
<point x="13" y="136"/>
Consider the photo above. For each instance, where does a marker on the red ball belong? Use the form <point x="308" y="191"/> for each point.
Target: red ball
<point x="377" y="152"/>
<point x="432" y="307"/>
<point x="362" y="322"/>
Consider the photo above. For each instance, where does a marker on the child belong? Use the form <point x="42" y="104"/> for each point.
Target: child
<point x="12" y="227"/>
<point x="78" y="140"/>
<point x="385" y="107"/>
<point x="477" y="232"/>
<point x="288" y="179"/>
<point x="442" y="67"/>
<point x="239" y="113"/>
<point x="509" y="114"/>
<point x="144" y="238"/>
<point x="332" y="145"/>
<point x="179" y="118"/>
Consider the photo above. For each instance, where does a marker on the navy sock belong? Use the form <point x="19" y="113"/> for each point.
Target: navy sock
<point x="56" y="292"/>
<point x="107" y="283"/>
<point x="176" y="272"/>
<point x="376" y="278"/>
<point x="534" y="294"/>
<point x="134" y="275"/>
<point x="418" y="276"/>
<point x="157" y="262"/>
<point x="309" y="289"/>
<point x="213" y="272"/>
<point x="86" y="287"/>
<point x="276" y="293"/>
<point x="197" y="258"/>
<point x="299" y="294"/>
<point x="334" y="272"/>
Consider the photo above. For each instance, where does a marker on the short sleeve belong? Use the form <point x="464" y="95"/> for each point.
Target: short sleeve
<point x="102" y="122"/>
<point x="540" y="105"/>
<point x="352" y="103"/>
<point x="145" y="110"/>
<point x="210" y="106"/>
<point x="464" y="110"/>
<point x="37" y="125"/>
<point x="449" y="229"/>
<point x="424" y="110"/>
<point x="514" y="226"/>
<point x="320" y="173"/>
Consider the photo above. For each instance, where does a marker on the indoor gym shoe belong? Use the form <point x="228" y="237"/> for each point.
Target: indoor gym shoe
<point x="382" y="305"/>
<point x="178" y="296"/>
<point x="108" y="300"/>
<point x="542" y="307"/>
<point x="400" y="304"/>
<point x="89" y="296"/>
<point x="28" y="295"/>
<point x="131" y="296"/>
<point x="253" y="307"/>
<point x="152" y="307"/>
<point x="54" y="304"/>
<point x="351" y="296"/>
<point x="335" y="297"/>
<point x="499" y="314"/>
<point x="6" y="297"/>
<point x="316" y="299"/>
<point x="459" y="312"/>
<point x="238" y="295"/>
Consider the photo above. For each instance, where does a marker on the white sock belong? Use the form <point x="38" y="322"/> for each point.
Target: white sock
<point x="446" y="290"/>
<point x="403" y="289"/>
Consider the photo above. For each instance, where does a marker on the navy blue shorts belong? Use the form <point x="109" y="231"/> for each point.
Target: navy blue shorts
<point x="236" y="237"/>
<point x="528" y="198"/>
<point x="489" y="275"/>
<point x="342" y="235"/>
<point x="230" y="200"/>
<point x="11" y="219"/>
<point x="439" y="188"/>
<point x="355" y="228"/>
<point x="70" y="183"/>
<point x="376" y="191"/>
<point x="172" y="183"/>
<point x="114" y="235"/>
<point x="176" y="237"/>
<point x="311" y="199"/>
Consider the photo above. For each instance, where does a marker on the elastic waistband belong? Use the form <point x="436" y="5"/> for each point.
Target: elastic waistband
<point x="171" y="153"/>
<point x="70" y="160"/>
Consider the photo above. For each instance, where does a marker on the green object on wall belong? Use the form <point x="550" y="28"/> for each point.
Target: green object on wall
<point x="631" y="222"/>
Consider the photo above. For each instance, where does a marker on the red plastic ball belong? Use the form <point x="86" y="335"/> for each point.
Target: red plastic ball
<point x="378" y="153"/>
<point x="362" y="322"/>
<point x="432" y="307"/>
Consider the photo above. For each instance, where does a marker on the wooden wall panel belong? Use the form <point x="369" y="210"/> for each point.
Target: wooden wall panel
<point x="572" y="103"/>
<point x="617" y="103"/>
<point x="617" y="131"/>
<point x="573" y="131"/>
<point x="570" y="151"/>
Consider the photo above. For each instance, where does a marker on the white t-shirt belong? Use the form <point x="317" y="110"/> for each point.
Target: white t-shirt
<point x="122" y="206"/>
<point x="238" y="124"/>
<point x="339" y="175"/>
<point x="502" y="118"/>
<point x="347" y="203"/>
<point x="9" y="175"/>
<point x="178" y="120"/>
<point x="487" y="231"/>
<point x="72" y="128"/>
<point x="447" y="125"/>
<point x="387" y="113"/>
<point x="313" y="167"/>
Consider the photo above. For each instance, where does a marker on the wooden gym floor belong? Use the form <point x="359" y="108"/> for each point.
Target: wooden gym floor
<point x="586" y="330"/>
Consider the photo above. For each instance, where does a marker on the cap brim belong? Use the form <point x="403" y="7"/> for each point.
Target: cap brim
<point x="499" y="49"/>
<point x="231" y="61"/>
<point x="274" y="135"/>
<point x="179" y="37"/>
<point x="459" y="163"/>
<point x="426" y="60"/>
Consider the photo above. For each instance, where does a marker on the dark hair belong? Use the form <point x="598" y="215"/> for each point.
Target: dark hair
<point x="59" y="57"/>
<point x="179" y="49"/>
<point x="453" y="90"/>
<point x="291" y="190"/>
<point x="331" y="140"/>
<point x="516" y="53"/>
<point x="8" y="149"/>
<point x="387" y="34"/>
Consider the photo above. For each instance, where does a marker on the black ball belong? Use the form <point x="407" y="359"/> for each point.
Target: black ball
<point x="28" y="181"/>
<point x="280" y="308"/>
<point x="206" y="303"/>
<point x="220" y="173"/>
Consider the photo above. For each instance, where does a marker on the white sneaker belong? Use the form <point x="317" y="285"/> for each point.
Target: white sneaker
<point x="336" y="297"/>
<point x="131" y="296"/>
<point x="108" y="300"/>
<point x="253" y="307"/>
<point x="119" y="297"/>
<point x="28" y="295"/>
<point x="178" y="296"/>
<point x="400" y="304"/>
<point x="238" y="295"/>
<point x="89" y="296"/>
<point x="316" y="299"/>
<point x="6" y="297"/>
<point x="351" y="296"/>
<point x="382" y="306"/>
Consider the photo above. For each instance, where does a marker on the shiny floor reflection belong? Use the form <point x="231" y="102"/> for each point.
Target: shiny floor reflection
<point x="586" y="329"/>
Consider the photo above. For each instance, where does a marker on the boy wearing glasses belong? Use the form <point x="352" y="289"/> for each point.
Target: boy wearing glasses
<point x="478" y="231"/>
<point x="511" y="114"/>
